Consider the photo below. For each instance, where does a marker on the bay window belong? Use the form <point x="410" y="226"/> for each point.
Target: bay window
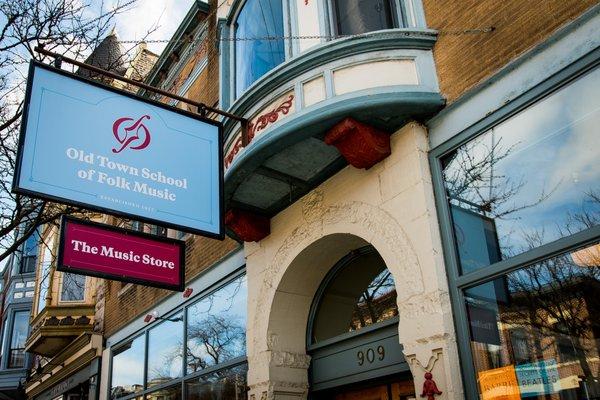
<point x="259" y="43"/>
<point x="353" y="17"/>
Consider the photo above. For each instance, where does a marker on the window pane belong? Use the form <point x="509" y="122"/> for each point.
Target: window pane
<point x="16" y="357"/>
<point x="537" y="329"/>
<point x="361" y="16"/>
<point x="171" y="393"/>
<point x="30" y="249"/>
<point x="44" y="278"/>
<point x="224" y="384"/>
<point x="128" y="369"/>
<point x="73" y="287"/>
<point x="165" y="351"/>
<point x="532" y="179"/>
<point x="254" y="58"/>
<point x="217" y="327"/>
<point x="363" y="293"/>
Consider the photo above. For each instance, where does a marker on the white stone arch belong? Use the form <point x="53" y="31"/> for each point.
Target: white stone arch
<point x="293" y="268"/>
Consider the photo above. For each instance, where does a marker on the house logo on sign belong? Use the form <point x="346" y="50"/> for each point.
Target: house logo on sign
<point x="135" y="136"/>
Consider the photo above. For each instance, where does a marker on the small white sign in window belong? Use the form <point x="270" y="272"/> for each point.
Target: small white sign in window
<point x="29" y="293"/>
<point x="19" y="295"/>
<point x="19" y="285"/>
<point x="30" y="283"/>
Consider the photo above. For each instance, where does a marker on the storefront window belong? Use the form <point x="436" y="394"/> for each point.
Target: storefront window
<point x="360" y="16"/>
<point x="360" y="294"/>
<point x="225" y="384"/>
<point x="171" y="393"/>
<point x="16" y="352"/>
<point x="532" y="179"/>
<point x="536" y="330"/>
<point x="216" y="334"/>
<point x="254" y="56"/>
<point x="165" y="350"/>
<point x="73" y="287"/>
<point x="216" y="330"/>
<point x="128" y="368"/>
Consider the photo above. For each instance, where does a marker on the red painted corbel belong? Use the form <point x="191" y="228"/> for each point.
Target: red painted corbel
<point x="362" y="145"/>
<point x="248" y="226"/>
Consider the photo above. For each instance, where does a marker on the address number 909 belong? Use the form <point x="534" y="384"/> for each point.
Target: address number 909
<point x="369" y="355"/>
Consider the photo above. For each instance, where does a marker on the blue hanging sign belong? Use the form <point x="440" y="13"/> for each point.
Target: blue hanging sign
<point x="86" y="144"/>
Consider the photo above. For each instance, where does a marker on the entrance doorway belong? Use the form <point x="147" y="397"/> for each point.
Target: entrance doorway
<point x="353" y="333"/>
<point x="399" y="387"/>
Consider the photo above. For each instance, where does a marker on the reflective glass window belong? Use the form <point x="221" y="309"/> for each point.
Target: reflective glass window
<point x="128" y="368"/>
<point x="360" y="16"/>
<point x="216" y="330"/>
<point x="165" y="350"/>
<point x="73" y="287"/>
<point x="44" y="278"/>
<point x="259" y="45"/>
<point x="29" y="256"/>
<point x="537" y="329"/>
<point x="532" y="179"/>
<point x="361" y="293"/>
<point x="16" y="352"/>
<point x="224" y="384"/>
<point x="170" y="393"/>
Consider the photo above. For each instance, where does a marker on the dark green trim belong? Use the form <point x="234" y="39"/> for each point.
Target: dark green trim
<point x="392" y="39"/>
<point x="457" y="282"/>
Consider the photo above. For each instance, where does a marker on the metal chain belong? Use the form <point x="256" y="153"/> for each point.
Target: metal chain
<point x="308" y="37"/>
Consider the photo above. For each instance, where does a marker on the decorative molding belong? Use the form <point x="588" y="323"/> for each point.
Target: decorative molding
<point x="290" y="360"/>
<point x="259" y="124"/>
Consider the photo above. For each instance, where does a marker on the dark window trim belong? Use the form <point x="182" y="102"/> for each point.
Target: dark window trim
<point x="457" y="282"/>
<point x="212" y="288"/>
<point x="314" y="307"/>
<point x="397" y="11"/>
<point x="7" y="335"/>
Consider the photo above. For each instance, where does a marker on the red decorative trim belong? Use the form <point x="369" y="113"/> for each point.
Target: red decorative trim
<point x="248" y="226"/>
<point x="361" y="145"/>
<point x="260" y="124"/>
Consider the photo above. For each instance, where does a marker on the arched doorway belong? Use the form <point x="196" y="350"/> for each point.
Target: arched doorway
<point x="352" y="334"/>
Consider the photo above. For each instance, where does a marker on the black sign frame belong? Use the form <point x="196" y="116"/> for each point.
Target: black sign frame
<point x="60" y="266"/>
<point x="43" y="196"/>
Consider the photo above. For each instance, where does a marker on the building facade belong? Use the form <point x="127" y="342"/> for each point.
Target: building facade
<point x="416" y="192"/>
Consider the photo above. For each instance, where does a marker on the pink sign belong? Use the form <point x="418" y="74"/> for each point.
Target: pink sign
<point x="89" y="248"/>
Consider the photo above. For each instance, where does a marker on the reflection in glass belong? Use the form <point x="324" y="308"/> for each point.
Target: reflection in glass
<point x="165" y="350"/>
<point x="170" y="393"/>
<point x="254" y="58"/>
<point x="73" y="287"/>
<point x="44" y="277"/>
<point x="537" y="329"/>
<point x="216" y="330"/>
<point x="361" y="16"/>
<point x="16" y="353"/>
<point x="128" y="368"/>
<point x="531" y="179"/>
<point x="223" y="384"/>
<point x="362" y="293"/>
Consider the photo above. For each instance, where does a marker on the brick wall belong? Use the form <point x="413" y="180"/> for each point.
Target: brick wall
<point x="465" y="56"/>
<point x="126" y="302"/>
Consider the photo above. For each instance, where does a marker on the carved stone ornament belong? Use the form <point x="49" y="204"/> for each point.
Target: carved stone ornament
<point x="248" y="226"/>
<point x="430" y="388"/>
<point x="362" y="145"/>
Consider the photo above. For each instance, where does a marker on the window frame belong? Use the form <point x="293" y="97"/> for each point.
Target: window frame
<point x="7" y="335"/>
<point x="458" y="282"/>
<point x="61" y="286"/>
<point x="232" y="24"/>
<point x="144" y="332"/>
<point x="321" y="291"/>
<point x="397" y="12"/>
